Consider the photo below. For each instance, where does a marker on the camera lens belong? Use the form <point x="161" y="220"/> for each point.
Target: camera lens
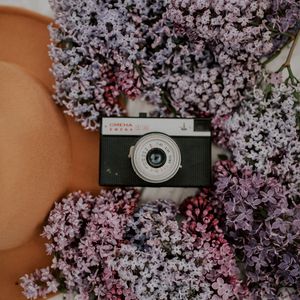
<point x="156" y="158"/>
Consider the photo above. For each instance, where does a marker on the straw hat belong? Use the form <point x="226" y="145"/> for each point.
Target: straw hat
<point x="24" y="38"/>
<point x="34" y="134"/>
<point x="43" y="154"/>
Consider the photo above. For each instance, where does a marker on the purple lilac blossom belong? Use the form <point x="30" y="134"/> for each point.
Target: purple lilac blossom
<point x="101" y="249"/>
<point x="89" y="49"/>
<point x="185" y="57"/>
<point x="218" y="55"/>
<point x="284" y="17"/>
<point x="263" y="227"/>
<point x="162" y="260"/>
<point x="83" y="232"/>
<point x="289" y="21"/>
<point x="203" y="216"/>
<point x="263" y="135"/>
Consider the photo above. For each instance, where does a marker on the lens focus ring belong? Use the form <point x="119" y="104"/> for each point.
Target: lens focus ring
<point x="156" y="158"/>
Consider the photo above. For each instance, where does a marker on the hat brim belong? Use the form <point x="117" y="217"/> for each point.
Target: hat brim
<point x="24" y="40"/>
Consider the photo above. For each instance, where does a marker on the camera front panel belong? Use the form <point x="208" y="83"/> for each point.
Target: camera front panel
<point x="116" y="168"/>
<point x="115" y="165"/>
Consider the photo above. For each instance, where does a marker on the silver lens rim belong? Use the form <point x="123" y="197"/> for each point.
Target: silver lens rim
<point x="148" y="174"/>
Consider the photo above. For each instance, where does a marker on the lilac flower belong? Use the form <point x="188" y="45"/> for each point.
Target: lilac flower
<point x="263" y="135"/>
<point x="223" y="289"/>
<point x="102" y="250"/>
<point x="287" y="22"/>
<point x="203" y="216"/>
<point x="39" y="284"/>
<point x="164" y="261"/>
<point x="84" y="231"/>
<point x="262" y="225"/>
<point x="221" y="55"/>
<point x="186" y="57"/>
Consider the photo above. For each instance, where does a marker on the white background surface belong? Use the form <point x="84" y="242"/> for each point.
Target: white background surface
<point x="39" y="6"/>
<point x="42" y="6"/>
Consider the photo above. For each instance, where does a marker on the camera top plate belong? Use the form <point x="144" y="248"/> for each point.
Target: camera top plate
<point x="140" y="126"/>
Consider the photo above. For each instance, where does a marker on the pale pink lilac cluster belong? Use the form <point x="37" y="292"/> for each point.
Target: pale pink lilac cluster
<point x="263" y="135"/>
<point x="263" y="227"/>
<point x="186" y="57"/>
<point x="84" y="232"/>
<point x="163" y="260"/>
<point x="40" y="283"/>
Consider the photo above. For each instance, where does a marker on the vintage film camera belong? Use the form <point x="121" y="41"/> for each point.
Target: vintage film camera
<point x="159" y="152"/>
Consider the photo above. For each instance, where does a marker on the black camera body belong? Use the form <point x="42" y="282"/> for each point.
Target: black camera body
<point x="156" y="152"/>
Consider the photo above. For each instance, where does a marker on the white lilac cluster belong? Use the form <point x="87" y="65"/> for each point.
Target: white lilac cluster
<point x="163" y="261"/>
<point x="263" y="135"/>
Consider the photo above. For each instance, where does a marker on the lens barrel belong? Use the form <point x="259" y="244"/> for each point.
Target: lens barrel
<point x="155" y="158"/>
